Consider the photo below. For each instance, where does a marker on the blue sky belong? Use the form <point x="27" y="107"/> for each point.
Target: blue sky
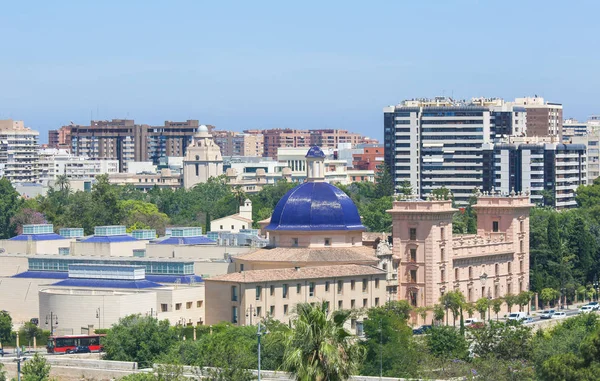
<point x="309" y="64"/>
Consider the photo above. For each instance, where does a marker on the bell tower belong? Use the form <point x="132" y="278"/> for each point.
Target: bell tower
<point x="202" y="160"/>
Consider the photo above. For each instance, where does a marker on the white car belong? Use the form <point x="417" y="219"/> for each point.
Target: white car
<point x="558" y="315"/>
<point x="518" y="316"/>
<point x="471" y="321"/>
<point x="586" y="309"/>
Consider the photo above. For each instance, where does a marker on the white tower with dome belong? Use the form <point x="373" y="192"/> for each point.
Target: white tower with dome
<point x="202" y="160"/>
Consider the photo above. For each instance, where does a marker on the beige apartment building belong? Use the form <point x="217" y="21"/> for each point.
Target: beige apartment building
<point x="249" y="143"/>
<point x="248" y="296"/>
<point x="490" y="264"/>
<point x="543" y="118"/>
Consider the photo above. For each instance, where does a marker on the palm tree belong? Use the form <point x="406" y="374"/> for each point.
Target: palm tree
<point x="318" y="347"/>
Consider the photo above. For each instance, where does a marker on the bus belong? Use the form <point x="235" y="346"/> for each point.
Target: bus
<point x="62" y="344"/>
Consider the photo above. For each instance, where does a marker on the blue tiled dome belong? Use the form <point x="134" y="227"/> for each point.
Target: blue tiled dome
<point x="315" y="151"/>
<point x="315" y="207"/>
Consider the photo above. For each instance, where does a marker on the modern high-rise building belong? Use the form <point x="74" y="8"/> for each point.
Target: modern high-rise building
<point x="125" y="141"/>
<point x="549" y="170"/>
<point x="435" y="143"/>
<point x="543" y="118"/>
<point x="573" y="127"/>
<point x="18" y="151"/>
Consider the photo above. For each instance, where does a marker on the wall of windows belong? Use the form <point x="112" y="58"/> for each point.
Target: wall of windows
<point x="152" y="267"/>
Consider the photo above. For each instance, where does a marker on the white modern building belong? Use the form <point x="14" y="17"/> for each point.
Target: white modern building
<point x="18" y="151"/>
<point x="57" y="162"/>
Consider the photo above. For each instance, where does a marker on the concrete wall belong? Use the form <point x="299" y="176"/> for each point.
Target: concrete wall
<point x="316" y="239"/>
<point x="12" y="265"/>
<point x="184" y="304"/>
<point x="115" y="249"/>
<point x="77" y="308"/>
<point x="19" y="296"/>
<point x="34" y="247"/>
<point x="229" y="224"/>
<point x="194" y="252"/>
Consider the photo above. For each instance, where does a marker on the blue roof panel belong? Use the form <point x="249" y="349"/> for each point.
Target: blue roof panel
<point x="315" y="152"/>
<point x="315" y="206"/>
<point x="109" y="239"/>
<point x="31" y="274"/>
<point x="37" y="237"/>
<point x="185" y="241"/>
<point x="107" y="283"/>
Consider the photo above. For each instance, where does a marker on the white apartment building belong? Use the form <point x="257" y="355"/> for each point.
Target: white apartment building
<point x="56" y="162"/>
<point x="435" y="143"/>
<point x="18" y="151"/>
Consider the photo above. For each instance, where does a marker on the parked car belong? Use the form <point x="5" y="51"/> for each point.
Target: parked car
<point x="558" y="315"/>
<point x="79" y="350"/>
<point x="471" y="321"/>
<point x="422" y="330"/>
<point x="594" y="305"/>
<point x="586" y="309"/>
<point x="527" y="320"/>
<point x="547" y="314"/>
<point x="517" y="316"/>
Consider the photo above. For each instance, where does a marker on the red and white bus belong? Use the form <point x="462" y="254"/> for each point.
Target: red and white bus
<point x="62" y="344"/>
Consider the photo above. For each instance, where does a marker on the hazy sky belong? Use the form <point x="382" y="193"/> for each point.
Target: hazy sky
<point x="259" y="64"/>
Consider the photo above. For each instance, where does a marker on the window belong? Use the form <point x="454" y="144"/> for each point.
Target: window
<point x="285" y="309"/>
<point x="470" y="295"/>
<point x="376" y="282"/>
<point x="164" y="308"/>
<point x="241" y="267"/>
<point x="311" y="289"/>
<point x="352" y="303"/>
<point x="234" y="294"/>
<point x="413" y="255"/>
<point x="258" y="311"/>
<point x="327" y="286"/>
<point x="364" y="302"/>
<point x="272" y="311"/>
<point x="340" y="304"/>
<point x="495" y="226"/>
<point x="199" y="304"/>
<point x="340" y="286"/>
<point x="352" y="284"/>
<point x="234" y="315"/>
<point x="294" y="242"/>
<point x="221" y="227"/>
<point x="442" y="235"/>
<point x="509" y="267"/>
<point x="413" y="276"/>
<point x="520" y="266"/>
<point x="456" y="274"/>
<point x="521" y="227"/>
<point x="376" y="302"/>
<point x="232" y="227"/>
<point x="443" y="254"/>
<point x="298" y="288"/>
<point x="188" y="305"/>
<point x="271" y="290"/>
<point x="258" y="292"/>
<point x="365" y="285"/>
<point x="177" y="306"/>
<point x="326" y="306"/>
<point x="197" y="170"/>
<point x="327" y="241"/>
<point x="412" y="232"/>
<point x="284" y="288"/>
<point x="521" y="246"/>
<point x="497" y="269"/>
<point x="443" y="274"/>
<point x="470" y="272"/>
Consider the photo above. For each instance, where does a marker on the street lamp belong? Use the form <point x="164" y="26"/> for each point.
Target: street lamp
<point x="98" y="317"/>
<point x="19" y="360"/>
<point x="52" y="319"/>
<point x="483" y="279"/>
<point x="251" y="312"/>
<point x="259" y="333"/>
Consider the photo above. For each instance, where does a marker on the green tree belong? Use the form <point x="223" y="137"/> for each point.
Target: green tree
<point x="10" y="201"/>
<point x="36" y="369"/>
<point x="2" y="373"/>
<point x="524" y="299"/>
<point x="446" y="342"/>
<point x="438" y="313"/>
<point x="547" y="295"/>
<point x="143" y="215"/>
<point x="497" y="306"/>
<point x="138" y="338"/>
<point x="384" y="182"/>
<point x="30" y="330"/>
<point x="5" y="326"/>
<point x="482" y="305"/>
<point x="503" y="341"/>
<point x="510" y="301"/>
<point x="405" y="188"/>
<point x="385" y="331"/>
<point x="318" y="347"/>
<point x="105" y="198"/>
<point x="553" y="238"/>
